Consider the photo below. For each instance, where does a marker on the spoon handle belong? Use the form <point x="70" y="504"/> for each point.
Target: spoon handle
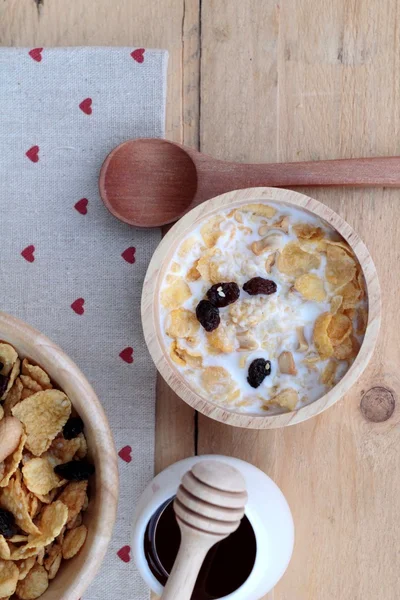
<point x="192" y="552"/>
<point x="362" y="172"/>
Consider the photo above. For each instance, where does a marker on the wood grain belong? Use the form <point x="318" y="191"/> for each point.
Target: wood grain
<point x="326" y="86"/>
<point x="284" y="80"/>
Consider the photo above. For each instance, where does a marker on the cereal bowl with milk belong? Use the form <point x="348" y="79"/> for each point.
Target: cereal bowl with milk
<point x="261" y="307"/>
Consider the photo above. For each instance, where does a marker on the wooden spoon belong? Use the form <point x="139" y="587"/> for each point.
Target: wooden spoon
<point x="153" y="182"/>
<point x="209" y="506"/>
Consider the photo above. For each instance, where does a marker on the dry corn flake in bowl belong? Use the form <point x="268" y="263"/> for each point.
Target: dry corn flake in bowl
<point x="261" y="307"/>
<point x="44" y="475"/>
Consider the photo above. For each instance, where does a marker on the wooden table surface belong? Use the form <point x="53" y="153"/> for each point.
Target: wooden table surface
<point x="261" y="80"/>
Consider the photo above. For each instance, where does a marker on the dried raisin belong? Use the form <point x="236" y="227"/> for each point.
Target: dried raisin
<point x="208" y="315"/>
<point x="259" y="369"/>
<point x="259" y="285"/>
<point x="222" y="294"/>
<point x="3" y="384"/>
<point x="72" y="428"/>
<point x="8" y="527"/>
<point x="76" y="470"/>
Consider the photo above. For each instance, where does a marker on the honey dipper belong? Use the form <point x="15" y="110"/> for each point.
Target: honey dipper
<point x="209" y="506"/>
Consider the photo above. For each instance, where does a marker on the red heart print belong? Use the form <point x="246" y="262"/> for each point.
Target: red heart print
<point x="27" y="253"/>
<point x="78" y="306"/>
<point x="129" y="255"/>
<point x="81" y="206"/>
<point x="33" y="154"/>
<point x="36" y="54"/>
<point x="125" y="454"/>
<point x="127" y="354"/>
<point x="124" y="554"/>
<point x="86" y="106"/>
<point x="138" y="55"/>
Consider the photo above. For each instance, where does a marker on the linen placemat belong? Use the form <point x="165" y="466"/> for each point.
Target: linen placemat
<point x="67" y="266"/>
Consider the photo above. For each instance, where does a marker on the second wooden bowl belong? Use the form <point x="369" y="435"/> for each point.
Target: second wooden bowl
<point x="75" y="575"/>
<point x="151" y="307"/>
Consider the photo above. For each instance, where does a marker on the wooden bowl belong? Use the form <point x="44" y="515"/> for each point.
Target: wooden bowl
<point x="150" y="307"/>
<point x="76" y="574"/>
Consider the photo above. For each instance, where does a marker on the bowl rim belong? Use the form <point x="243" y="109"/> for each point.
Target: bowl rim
<point x="162" y="257"/>
<point x="12" y="328"/>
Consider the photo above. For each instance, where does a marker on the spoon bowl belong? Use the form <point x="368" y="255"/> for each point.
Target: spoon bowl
<point x="148" y="182"/>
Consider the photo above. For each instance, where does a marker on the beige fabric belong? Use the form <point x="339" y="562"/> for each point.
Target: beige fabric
<point x="75" y="105"/>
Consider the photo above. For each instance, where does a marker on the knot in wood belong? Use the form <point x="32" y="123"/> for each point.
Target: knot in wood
<point x="378" y="404"/>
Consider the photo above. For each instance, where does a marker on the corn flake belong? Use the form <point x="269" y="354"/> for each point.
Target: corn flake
<point x="53" y="560"/>
<point x="340" y="266"/>
<point x="175" y="294"/>
<point x="193" y="274"/>
<point x="73" y="496"/>
<point x="8" y="578"/>
<point x="208" y="265"/>
<point x="187" y="246"/>
<point x="175" y="267"/>
<point x="13" y="397"/>
<point x="223" y="338"/>
<point x="62" y="450"/>
<point x="18" y="538"/>
<point x="262" y="210"/>
<point x="311" y="287"/>
<point x="12" y="377"/>
<point x="39" y="476"/>
<point x="73" y="541"/>
<point x="8" y="358"/>
<point x="182" y="323"/>
<point x="211" y="230"/>
<point x="44" y="415"/>
<point x="26" y="393"/>
<point x="15" y="499"/>
<point x="83" y="447"/>
<point x="345" y="350"/>
<point x="30" y="383"/>
<point x="5" y="552"/>
<point x="37" y="374"/>
<point x="350" y="312"/>
<point x="24" y="566"/>
<point x="351" y="294"/>
<point x="339" y="328"/>
<point x="328" y="374"/>
<point x="305" y="231"/>
<point x="287" y="399"/>
<point x="218" y="384"/>
<point x="336" y="304"/>
<point x="322" y="341"/>
<point x="293" y="260"/>
<point x="34" y="506"/>
<point x="11" y="463"/>
<point x="52" y="520"/>
<point x="182" y="356"/>
<point x="34" y="584"/>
